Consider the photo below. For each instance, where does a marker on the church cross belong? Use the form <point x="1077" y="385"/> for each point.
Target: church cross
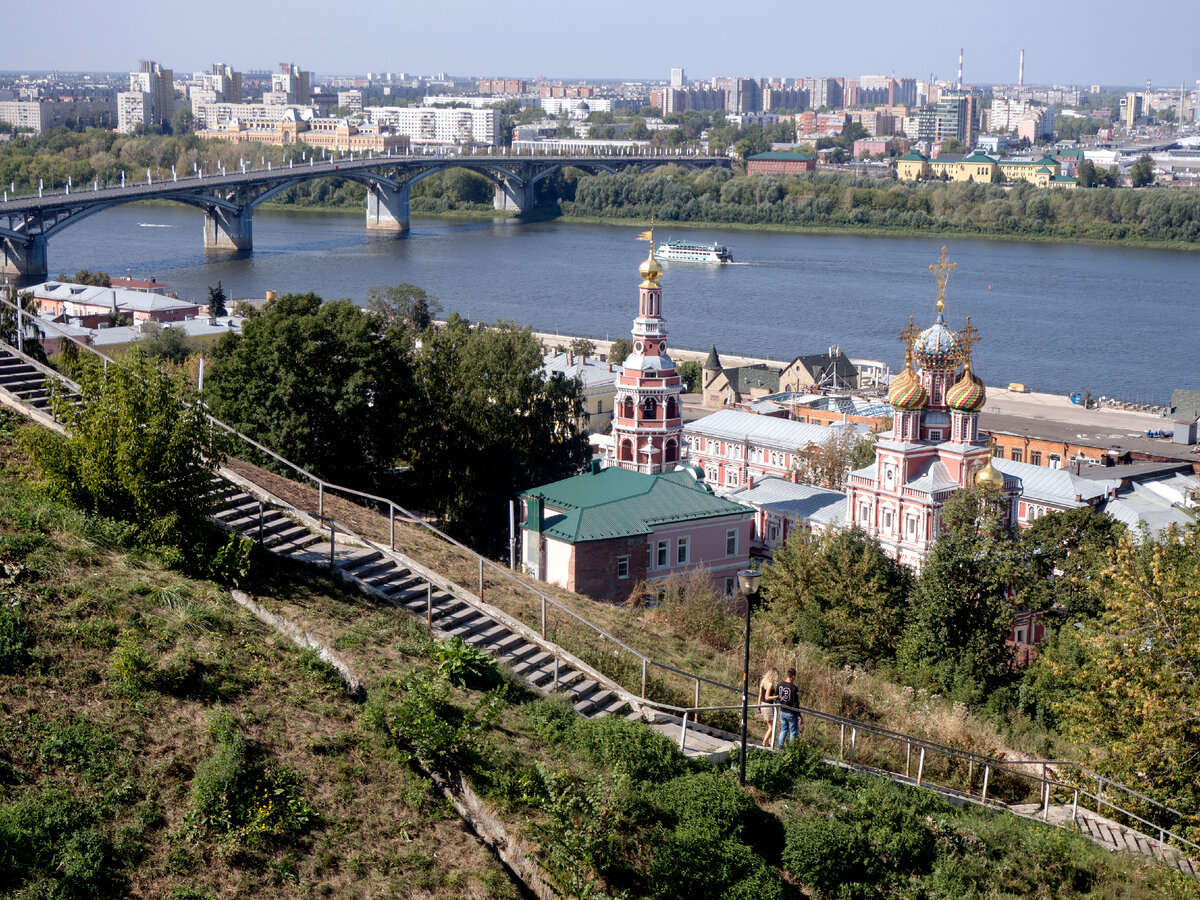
<point x="909" y="335"/>
<point x="943" y="268"/>
<point x="968" y="336"/>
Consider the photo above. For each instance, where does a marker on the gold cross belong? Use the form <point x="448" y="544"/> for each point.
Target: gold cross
<point x="968" y="336"/>
<point x="909" y="334"/>
<point x="943" y="268"/>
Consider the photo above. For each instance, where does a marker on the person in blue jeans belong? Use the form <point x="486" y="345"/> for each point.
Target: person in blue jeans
<point x="789" y="717"/>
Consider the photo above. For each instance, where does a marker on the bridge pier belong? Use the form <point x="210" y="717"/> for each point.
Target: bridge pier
<point x="514" y="195"/>
<point x="387" y="209"/>
<point x="226" y="229"/>
<point x="24" y="258"/>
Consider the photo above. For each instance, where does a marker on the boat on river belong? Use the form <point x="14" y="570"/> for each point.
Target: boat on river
<point x="691" y="251"/>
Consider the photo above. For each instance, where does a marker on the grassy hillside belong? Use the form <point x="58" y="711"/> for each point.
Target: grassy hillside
<point x="156" y="741"/>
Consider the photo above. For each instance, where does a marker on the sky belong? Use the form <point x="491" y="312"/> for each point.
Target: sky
<point x="1103" y="42"/>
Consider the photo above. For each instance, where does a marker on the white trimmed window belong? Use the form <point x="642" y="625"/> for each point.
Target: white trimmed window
<point x="622" y="566"/>
<point x="681" y="551"/>
<point x="661" y="560"/>
<point x="731" y="542"/>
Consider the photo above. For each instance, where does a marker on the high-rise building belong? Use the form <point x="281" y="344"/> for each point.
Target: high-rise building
<point x="293" y="83"/>
<point x="951" y="117"/>
<point x="647" y="429"/>
<point x="678" y="78"/>
<point x="1131" y="109"/>
<point x="150" y="99"/>
<point x="824" y="92"/>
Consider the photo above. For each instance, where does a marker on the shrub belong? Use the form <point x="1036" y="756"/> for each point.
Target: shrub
<point x="892" y="817"/>
<point x="618" y="745"/>
<point x="774" y="772"/>
<point x="129" y="665"/>
<point x="466" y="666"/>
<point x="830" y="856"/>
<point x="692" y="863"/>
<point x="708" y="802"/>
<point x="550" y="718"/>
<point x="15" y="639"/>
<point x="231" y="563"/>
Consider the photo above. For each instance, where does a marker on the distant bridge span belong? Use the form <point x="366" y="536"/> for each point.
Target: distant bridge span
<point x="228" y="200"/>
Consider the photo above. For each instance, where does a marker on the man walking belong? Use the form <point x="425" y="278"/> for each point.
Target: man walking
<point x="789" y="716"/>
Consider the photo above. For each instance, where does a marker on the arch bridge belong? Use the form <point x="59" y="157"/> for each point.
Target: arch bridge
<point x="228" y="200"/>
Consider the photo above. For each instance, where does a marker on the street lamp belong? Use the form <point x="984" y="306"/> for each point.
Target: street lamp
<point x="748" y="580"/>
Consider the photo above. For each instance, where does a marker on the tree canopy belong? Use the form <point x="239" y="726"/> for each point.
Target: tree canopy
<point x="404" y="306"/>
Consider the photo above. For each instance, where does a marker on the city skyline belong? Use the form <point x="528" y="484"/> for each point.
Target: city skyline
<point x="618" y="41"/>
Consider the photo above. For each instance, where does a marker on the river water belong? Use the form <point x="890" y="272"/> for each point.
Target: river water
<point x="1121" y="322"/>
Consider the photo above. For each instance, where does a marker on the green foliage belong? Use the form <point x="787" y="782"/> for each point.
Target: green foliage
<point x="629" y="748"/>
<point x="244" y="799"/>
<point x="423" y="725"/>
<point x="692" y="862"/>
<point x="550" y="718"/>
<point x="130" y="665"/>
<point x="709" y="803"/>
<point x="1062" y="557"/>
<point x="319" y="383"/>
<point x="15" y="638"/>
<point x="582" y="347"/>
<point x="231" y="563"/>
<point x="830" y="856"/>
<point x="489" y="426"/>
<point x="31" y="342"/>
<point x="139" y="449"/>
<point x="691" y="374"/>
<point x="961" y="614"/>
<point x="404" y="306"/>
<point x="838" y="590"/>
<point x="465" y="666"/>
<point x="168" y="343"/>
<point x="1141" y="173"/>
<point x="694" y="608"/>
<point x="619" y="350"/>
<point x="775" y="772"/>
<point x="217" y="300"/>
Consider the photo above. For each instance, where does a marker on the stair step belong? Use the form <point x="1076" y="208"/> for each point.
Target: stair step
<point x="352" y="563"/>
<point x="484" y="637"/>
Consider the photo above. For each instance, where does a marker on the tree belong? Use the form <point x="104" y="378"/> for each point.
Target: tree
<point x="168" y="344"/>
<point x="1141" y="173"/>
<point x="86" y="276"/>
<point x="952" y="145"/>
<point x="582" y="347"/>
<point x="827" y="463"/>
<point x="961" y="615"/>
<point x="183" y="121"/>
<point x="490" y="425"/>
<point x="840" y="591"/>
<point x="1062" y="558"/>
<point x="690" y="373"/>
<point x="31" y="339"/>
<point x="322" y="384"/>
<point x="998" y="175"/>
<point x="404" y="306"/>
<point x="217" y="300"/>
<point x="1138" y="697"/>
<point x="138" y="448"/>
<point x="1086" y="175"/>
<point x="618" y="350"/>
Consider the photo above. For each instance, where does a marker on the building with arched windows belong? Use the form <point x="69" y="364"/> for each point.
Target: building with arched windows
<point x="647" y="431"/>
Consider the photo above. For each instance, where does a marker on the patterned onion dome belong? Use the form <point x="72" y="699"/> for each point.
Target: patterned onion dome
<point x="905" y="391"/>
<point x="937" y="347"/>
<point x="968" y="393"/>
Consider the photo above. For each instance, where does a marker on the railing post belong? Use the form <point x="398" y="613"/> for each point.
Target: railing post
<point x="683" y="732"/>
<point x="481" y="578"/>
<point x="332" y="539"/>
<point x="987" y="770"/>
<point x="1099" y="793"/>
<point x="544" y="621"/>
<point x="921" y="767"/>
<point x="970" y="774"/>
<point x="842" y="741"/>
<point x="1045" y="795"/>
<point x="391" y="526"/>
<point x="320" y="498"/>
<point x="428" y="604"/>
<point x="260" y="522"/>
<point x="555" y="686"/>
<point x="908" y="759"/>
<point x="643" y="678"/>
<point x="853" y="743"/>
<point x="1074" y="806"/>
<point x="696" y="701"/>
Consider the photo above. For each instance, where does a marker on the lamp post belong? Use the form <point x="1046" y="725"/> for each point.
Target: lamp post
<point x="748" y="580"/>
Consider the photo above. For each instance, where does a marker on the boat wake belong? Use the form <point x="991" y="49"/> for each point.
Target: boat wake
<point x="154" y="225"/>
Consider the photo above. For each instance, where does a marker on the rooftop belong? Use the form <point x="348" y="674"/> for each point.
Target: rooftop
<point x="781" y="434"/>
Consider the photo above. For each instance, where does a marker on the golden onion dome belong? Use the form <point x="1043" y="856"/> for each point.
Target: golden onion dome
<point x="968" y="393"/>
<point x="905" y="391"/>
<point x="990" y="477"/>
<point x="650" y="269"/>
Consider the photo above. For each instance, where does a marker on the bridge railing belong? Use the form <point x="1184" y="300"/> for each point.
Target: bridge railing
<point x="545" y="606"/>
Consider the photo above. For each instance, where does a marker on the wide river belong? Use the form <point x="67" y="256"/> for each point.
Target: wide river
<point x="1121" y="322"/>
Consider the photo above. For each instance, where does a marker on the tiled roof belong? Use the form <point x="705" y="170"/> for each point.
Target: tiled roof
<point x="617" y="502"/>
<point x="1055" y="485"/>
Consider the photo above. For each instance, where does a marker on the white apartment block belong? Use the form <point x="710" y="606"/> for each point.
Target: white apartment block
<point x="572" y="106"/>
<point x="438" y="125"/>
<point x="43" y="115"/>
<point x="1008" y="114"/>
<point x="133" y="109"/>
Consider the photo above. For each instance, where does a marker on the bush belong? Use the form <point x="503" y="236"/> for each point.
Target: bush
<point x="830" y="856"/>
<point x="466" y="666"/>
<point x="892" y="817"/>
<point x="774" y="772"/>
<point x="15" y="639"/>
<point x="709" y="802"/>
<point x="550" y="718"/>
<point x="692" y="863"/>
<point x="630" y="748"/>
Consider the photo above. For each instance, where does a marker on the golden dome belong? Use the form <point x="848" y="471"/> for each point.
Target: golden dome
<point x="990" y="477"/>
<point x="650" y="269"/>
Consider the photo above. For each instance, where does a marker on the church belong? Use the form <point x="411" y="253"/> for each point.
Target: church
<point x="934" y="448"/>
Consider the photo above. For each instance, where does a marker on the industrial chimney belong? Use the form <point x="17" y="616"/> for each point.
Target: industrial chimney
<point x="1021" y="70"/>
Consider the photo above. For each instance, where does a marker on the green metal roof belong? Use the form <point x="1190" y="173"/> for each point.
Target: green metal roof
<point x="617" y="502"/>
<point x="780" y="154"/>
<point x="914" y="156"/>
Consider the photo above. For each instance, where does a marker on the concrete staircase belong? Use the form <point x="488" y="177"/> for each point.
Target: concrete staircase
<point x="25" y="381"/>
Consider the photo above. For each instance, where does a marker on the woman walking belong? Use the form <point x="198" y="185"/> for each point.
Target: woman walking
<point x="767" y="695"/>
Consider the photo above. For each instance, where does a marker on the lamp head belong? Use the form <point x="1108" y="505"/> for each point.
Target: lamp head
<point x="748" y="580"/>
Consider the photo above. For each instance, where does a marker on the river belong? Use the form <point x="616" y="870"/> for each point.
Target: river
<point x="1121" y="322"/>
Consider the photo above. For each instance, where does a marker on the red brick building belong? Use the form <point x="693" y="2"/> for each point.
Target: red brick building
<point x="779" y="163"/>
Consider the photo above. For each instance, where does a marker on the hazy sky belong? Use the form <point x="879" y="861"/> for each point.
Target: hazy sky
<point x="1103" y="41"/>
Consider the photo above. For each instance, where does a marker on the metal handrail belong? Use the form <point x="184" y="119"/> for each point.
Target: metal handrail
<point x="393" y="508"/>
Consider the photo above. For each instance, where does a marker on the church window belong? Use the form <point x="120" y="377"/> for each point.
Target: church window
<point x="650" y="407"/>
<point x="627" y="407"/>
<point x="935" y="434"/>
<point x="772" y="532"/>
<point x="912" y="526"/>
<point x="671" y="454"/>
<point x="626" y="450"/>
<point x="600" y="405"/>
<point x="638" y="347"/>
<point x="672" y="408"/>
<point x="864" y="512"/>
<point x="887" y="519"/>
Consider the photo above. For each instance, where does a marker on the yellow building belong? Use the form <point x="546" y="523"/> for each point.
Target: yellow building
<point x="979" y="167"/>
<point x="334" y="134"/>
